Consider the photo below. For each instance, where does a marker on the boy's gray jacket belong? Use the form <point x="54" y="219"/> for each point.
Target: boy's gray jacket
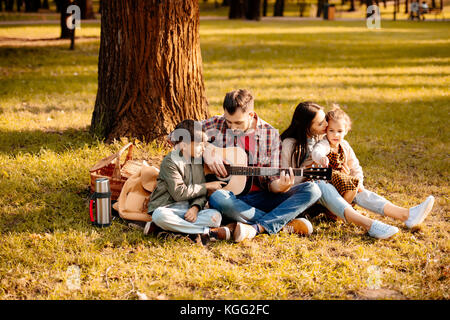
<point x="173" y="183"/>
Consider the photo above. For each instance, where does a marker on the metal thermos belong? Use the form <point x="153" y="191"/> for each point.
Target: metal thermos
<point x="102" y="200"/>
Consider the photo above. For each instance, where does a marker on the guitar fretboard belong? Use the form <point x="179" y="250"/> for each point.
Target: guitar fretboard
<point x="271" y="171"/>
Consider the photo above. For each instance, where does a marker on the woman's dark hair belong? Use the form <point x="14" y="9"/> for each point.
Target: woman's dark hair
<point x="299" y="129"/>
<point x="188" y="130"/>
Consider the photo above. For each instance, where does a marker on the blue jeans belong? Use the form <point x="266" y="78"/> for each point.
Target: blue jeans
<point x="171" y="218"/>
<point x="332" y="200"/>
<point x="270" y="210"/>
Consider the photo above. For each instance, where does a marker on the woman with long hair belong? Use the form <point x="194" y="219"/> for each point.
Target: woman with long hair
<point x="308" y="126"/>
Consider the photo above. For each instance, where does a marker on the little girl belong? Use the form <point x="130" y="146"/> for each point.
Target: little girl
<point x="335" y="152"/>
<point x="348" y="177"/>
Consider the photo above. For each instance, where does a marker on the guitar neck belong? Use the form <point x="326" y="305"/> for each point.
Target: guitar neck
<point x="262" y="171"/>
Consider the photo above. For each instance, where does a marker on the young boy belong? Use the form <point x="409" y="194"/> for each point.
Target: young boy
<point x="177" y="203"/>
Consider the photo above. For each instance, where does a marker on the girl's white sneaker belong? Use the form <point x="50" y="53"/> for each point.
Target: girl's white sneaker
<point x="418" y="213"/>
<point x="381" y="230"/>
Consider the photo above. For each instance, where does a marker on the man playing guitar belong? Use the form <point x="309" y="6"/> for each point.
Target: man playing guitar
<point x="269" y="203"/>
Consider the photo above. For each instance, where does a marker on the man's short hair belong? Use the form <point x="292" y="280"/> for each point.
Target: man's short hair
<point x="241" y="98"/>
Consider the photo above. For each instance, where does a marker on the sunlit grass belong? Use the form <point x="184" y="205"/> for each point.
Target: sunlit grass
<point x="393" y="83"/>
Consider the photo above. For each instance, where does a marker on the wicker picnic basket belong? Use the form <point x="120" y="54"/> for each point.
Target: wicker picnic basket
<point x="117" y="174"/>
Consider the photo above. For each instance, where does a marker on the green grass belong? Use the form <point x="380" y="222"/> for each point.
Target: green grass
<point x="393" y="83"/>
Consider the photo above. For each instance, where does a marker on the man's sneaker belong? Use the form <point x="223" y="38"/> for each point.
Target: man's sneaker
<point x="244" y="231"/>
<point x="418" y="213"/>
<point x="381" y="230"/>
<point x="299" y="226"/>
<point x="151" y="227"/>
<point x="220" y="233"/>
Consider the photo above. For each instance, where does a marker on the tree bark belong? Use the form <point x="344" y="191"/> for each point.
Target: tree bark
<point x="9" y="5"/>
<point x="86" y="9"/>
<point x="66" y="33"/>
<point x="368" y="4"/>
<point x="58" y="4"/>
<point x="149" y="69"/>
<point x="264" y="13"/>
<point x="31" y="6"/>
<point x="352" y="6"/>
<point x="237" y="9"/>
<point x="253" y="11"/>
<point x="320" y="7"/>
<point x="278" y="9"/>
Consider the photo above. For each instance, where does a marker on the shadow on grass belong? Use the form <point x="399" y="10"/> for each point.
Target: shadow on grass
<point x="15" y="142"/>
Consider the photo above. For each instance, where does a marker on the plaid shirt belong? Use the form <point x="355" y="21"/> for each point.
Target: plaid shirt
<point x="267" y="146"/>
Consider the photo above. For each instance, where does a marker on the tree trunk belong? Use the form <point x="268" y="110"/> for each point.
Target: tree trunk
<point x="352" y="5"/>
<point x="225" y="3"/>
<point x="320" y="7"/>
<point x="368" y="4"/>
<point x="66" y="33"/>
<point x="58" y="5"/>
<point x="237" y="9"/>
<point x="406" y="6"/>
<point x="149" y="69"/>
<point x="278" y="9"/>
<point x="264" y="13"/>
<point x="9" y="5"/>
<point x="45" y="5"/>
<point x="253" y="11"/>
<point x="86" y="8"/>
<point x="433" y="4"/>
<point x="19" y="5"/>
<point x="30" y="6"/>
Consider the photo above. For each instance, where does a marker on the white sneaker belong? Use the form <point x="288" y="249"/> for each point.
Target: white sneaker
<point x="243" y="231"/>
<point x="381" y="230"/>
<point x="418" y="213"/>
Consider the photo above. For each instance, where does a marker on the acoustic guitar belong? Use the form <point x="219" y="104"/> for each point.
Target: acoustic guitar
<point x="240" y="175"/>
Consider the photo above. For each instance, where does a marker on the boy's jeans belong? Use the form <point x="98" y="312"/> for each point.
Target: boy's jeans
<point x="271" y="210"/>
<point x="171" y="218"/>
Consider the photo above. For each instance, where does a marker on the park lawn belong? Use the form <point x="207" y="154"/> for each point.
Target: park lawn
<point x="393" y="83"/>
